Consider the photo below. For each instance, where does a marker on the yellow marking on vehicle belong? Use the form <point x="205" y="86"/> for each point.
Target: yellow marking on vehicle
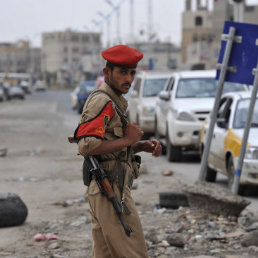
<point x="232" y="143"/>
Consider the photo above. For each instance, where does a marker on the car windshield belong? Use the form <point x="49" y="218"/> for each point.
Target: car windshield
<point x="203" y="88"/>
<point x="152" y="87"/>
<point x="87" y="87"/>
<point x="242" y="112"/>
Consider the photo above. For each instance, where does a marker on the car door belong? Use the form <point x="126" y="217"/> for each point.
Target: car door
<point x="164" y="107"/>
<point x="134" y="99"/>
<point x="217" y="150"/>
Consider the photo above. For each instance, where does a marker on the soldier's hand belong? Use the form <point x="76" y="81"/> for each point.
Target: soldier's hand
<point x="152" y="146"/>
<point x="133" y="133"/>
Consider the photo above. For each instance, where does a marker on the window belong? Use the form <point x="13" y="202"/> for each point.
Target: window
<point x="137" y="85"/>
<point x="198" y="21"/>
<point x="152" y="87"/>
<point x="241" y="114"/>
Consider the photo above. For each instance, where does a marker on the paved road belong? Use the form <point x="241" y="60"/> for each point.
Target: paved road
<point x="186" y="171"/>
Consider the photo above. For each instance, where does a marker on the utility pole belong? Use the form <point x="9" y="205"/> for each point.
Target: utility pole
<point x="149" y="20"/>
<point x="132" y="19"/>
<point x="238" y="10"/>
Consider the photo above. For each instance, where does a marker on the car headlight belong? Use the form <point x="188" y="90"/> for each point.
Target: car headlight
<point x="185" y="116"/>
<point x="251" y="153"/>
<point x="148" y="110"/>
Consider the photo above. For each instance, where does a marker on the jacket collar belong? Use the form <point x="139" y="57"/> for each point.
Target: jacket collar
<point x="120" y="100"/>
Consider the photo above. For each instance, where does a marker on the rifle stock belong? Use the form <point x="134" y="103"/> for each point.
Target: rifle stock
<point x="107" y="190"/>
<point x="104" y="186"/>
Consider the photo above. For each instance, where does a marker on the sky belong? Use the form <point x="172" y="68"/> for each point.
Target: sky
<point x="27" y="19"/>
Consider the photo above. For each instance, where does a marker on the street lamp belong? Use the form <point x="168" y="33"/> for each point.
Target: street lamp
<point x="238" y="10"/>
<point x="106" y="18"/>
<point x="117" y="9"/>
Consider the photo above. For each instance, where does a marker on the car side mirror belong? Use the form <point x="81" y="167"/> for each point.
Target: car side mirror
<point x="134" y="94"/>
<point x="222" y="123"/>
<point x="164" y="95"/>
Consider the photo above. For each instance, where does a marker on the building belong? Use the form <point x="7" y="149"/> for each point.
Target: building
<point x="19" y="57"/>
<point x="161" y="56"/>
<point x="62" y="54"/>
<point x="202" y="29"/>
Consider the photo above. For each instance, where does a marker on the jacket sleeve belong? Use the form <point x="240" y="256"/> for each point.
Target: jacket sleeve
<point x="91" y="129"/>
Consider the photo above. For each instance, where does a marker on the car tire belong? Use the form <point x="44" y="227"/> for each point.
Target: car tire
<point x="172" y="200"/>
<point x="157" y="136"/>
<point x="231" y="174"/>
<point x="137" y="120"/>
<point x="173" y="152"/>
<point x="156" y="132"/>
<point x="211" y="175"/>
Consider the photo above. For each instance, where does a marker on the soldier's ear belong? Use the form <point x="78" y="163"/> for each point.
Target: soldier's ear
<point x="106" y="72"/>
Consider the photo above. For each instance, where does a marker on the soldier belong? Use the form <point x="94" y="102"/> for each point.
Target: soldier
<point x="104" y="132"/>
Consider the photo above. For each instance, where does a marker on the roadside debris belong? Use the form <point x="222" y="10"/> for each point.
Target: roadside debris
<point x="215" y="199"/>
<point x="43" y="237"/>
<point x="3" y="152"/>
<point x="167" y="172"/>
<point x="13" y="211"/>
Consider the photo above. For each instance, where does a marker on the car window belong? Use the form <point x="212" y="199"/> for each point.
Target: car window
<point x="203" y="88"/>
<point x="87" y="87"/>
<point x="137" y="85"/>
<point x="241" y="114"/>
<point x="152" y="87"/>
<point x="196" y="88"/>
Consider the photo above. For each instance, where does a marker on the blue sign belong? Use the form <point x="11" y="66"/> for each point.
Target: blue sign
<point x="243" y="55"/>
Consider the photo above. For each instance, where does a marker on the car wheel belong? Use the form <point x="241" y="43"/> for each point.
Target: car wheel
<point x="231" y="174"/>
<point x="156" y="132"/>
<point x="230" y="171"/>
<point x="137" y="119"/>
<point x="173" y="152"/>
<point x="173" y="200"/>
<point x="210" y="173"/>
<point x="157" y="136"/>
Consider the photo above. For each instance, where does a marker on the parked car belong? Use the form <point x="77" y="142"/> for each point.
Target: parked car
<point x="40" y="86"/>
<point x="227" y="138"/>
<point x="183" y="106"/>
<point x="85" y="89"/>
<point x="16" y="91"/>
<point x="25" y="85"/>
<point x="142" y="98"/>
<point x="2" y="94"/>
<point x="74" y="98"/>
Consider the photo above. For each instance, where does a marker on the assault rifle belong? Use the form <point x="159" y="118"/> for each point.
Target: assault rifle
<point x="99" y="174"/>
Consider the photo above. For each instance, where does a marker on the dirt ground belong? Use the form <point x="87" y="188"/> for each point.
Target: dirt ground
<point x="44" y="170"/>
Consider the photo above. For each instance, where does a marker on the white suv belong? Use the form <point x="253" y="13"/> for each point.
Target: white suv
<point x="143" y="96"/>
<point x="182" y="108"/>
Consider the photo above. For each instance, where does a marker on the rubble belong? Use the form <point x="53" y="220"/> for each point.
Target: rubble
<point x="167" y="172"/>
<point x="250" y="239"/>
<point x="215" y="199"/>
<point x="3" y="152"/>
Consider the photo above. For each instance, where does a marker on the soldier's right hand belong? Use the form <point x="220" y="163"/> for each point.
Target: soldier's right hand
<point x="133" y="133"/>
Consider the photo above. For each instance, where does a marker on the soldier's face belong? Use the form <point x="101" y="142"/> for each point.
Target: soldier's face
<point x="120" y="79"/>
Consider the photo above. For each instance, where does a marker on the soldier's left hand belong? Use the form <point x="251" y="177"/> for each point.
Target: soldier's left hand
<point x="152" y="146"/>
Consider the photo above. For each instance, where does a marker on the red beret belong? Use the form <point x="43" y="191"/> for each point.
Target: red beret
<point x="122" y="55"/>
